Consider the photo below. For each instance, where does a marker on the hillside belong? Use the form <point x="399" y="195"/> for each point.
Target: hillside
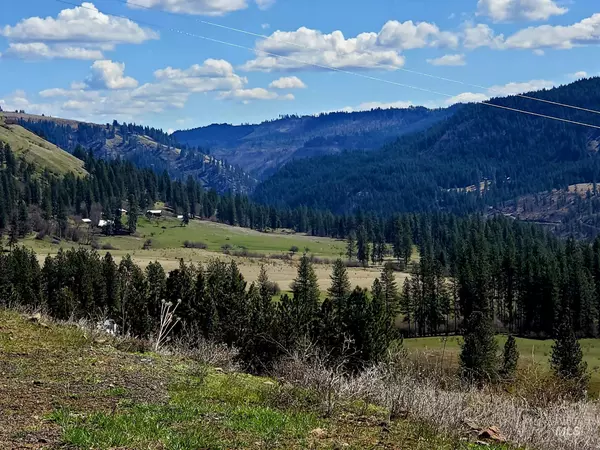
<point x="145" y="147"/>
<point x="36" y="150"/>
<point x="515" y="154"/>
<point x="262" y="149"/>
<point x="67" y="386"/>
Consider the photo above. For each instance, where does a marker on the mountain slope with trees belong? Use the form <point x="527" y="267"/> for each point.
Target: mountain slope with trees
<point x="507" y="153"/>
<point x="144" y="146"/>
<point x="262" y="149"/>
<point x="37" y="151"/>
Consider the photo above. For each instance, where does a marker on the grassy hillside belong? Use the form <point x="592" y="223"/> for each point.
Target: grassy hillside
<point x="168" y="233"/>
<point x="38" y="151"/>
<point x="68" y="387"/>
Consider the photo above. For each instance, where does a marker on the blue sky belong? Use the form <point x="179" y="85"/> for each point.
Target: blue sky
<point x="147" y="60"/>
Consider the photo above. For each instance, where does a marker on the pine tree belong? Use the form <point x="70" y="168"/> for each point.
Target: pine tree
<point x="478" y="358"/>
<point x="351" y="246"/>
<point x="297" y="314"/>
<point x="340" y="285"/>
<point x="132" y="217"/>
<point x="362" y="246"/>
<point x="23" y="220"/>
<point x="510" y="358"/>
<point x="13" y="232"/>
<point x="567" y="357"/>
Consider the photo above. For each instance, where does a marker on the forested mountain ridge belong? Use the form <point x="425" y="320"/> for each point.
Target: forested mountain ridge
<point x="262" y="149"/>
<point x="515" y="154"/>
<point x="144" y="146"/>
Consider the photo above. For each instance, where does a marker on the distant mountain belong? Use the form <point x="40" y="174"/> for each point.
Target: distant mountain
<point x="262" y="149"/>
<point x="37" y="151"/>
<point x="509" y="154"/>
<point x="144" y="146"/>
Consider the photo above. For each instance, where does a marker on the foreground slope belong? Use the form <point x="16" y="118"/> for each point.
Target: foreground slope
<point x="145" y="147"/>
<point x="38" y="151"/>
<point x="67" y="387"/>
<point x="262" y="149"/>
<point x="510" y="153"/>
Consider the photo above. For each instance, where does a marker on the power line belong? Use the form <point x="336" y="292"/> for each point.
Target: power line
<point x="387" y="67"/>
<point x="334" y="69"/>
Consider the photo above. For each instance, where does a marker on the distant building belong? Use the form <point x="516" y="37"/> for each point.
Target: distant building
<point x="103" y="223"/>
<point x="180" y="216"/>
<point x="86" y="220"/>
<point x="122" y="211"/>
<point x="154" y="213"/>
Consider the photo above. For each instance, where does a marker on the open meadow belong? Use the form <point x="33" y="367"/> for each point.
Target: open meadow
<point x="269" y="249"/>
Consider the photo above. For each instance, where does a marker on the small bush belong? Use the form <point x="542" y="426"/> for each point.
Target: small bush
<point x="95" y="245"/>
<point x="108" y="246"/>
<point x="56" y="241"/>
<point x="353" y="263"/>
<point x="281" y="256"/>
<point x="397" y="266"/>
<point x="40" y="235"/>
<point x="317" y="260"/>
<point x="147" y="244"/>
<point x="199" y="245"/>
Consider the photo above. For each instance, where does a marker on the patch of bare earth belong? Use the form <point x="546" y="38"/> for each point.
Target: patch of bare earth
<point x="40" y="374"/>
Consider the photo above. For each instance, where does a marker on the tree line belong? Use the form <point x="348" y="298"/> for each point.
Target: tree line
<point x="213" y="302"/>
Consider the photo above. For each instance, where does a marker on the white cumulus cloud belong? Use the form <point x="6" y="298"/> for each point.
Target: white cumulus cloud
<point x="107" y="74"/>
<point x="40" y="50"/>
<point x="449" y="60"/>
<point x="579" y="75"/>
<point x="306" y="48"/>
<point x="82" y="32"/>
<point x="508" y="10"/>
<point x="288" y="83"/>
<point x="585" y="32"/>
<point x="500" y="91"/>
<point x="108" y="93"/>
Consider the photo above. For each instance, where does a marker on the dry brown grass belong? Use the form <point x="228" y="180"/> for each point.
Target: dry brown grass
<point x="545" y="422"/>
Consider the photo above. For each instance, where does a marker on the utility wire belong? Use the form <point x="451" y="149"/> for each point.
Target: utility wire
<point x="384" y="66"/>
<point x="322" y="66"/>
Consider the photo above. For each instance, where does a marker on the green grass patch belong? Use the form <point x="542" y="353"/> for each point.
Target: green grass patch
<point x="168" y="233"/>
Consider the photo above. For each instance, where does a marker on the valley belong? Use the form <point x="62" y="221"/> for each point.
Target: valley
<point x="420" y="278"/>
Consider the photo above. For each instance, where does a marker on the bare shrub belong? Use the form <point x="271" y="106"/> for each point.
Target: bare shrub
<point x="190" y="343"/>
<point x="551" y="424"/>
<point x="198" y="245"/>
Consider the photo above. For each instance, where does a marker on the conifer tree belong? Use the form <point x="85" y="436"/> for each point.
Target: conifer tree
<point x="351" y="246"/>
<point x="510" y="358"/>
<point x="567" y="357"/>
<point x="132" y="216"/>
<point x="340" y="285"/>
<point x="478" y="360"/>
